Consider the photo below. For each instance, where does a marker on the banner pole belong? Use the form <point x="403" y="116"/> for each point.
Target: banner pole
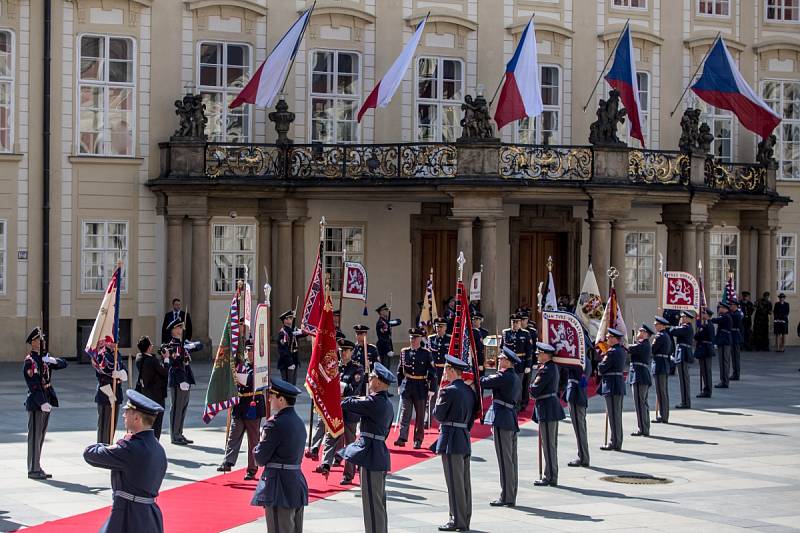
<point x="613" y="51"/>
<point x="699" y="66"/>
<point x="113" y="422"/>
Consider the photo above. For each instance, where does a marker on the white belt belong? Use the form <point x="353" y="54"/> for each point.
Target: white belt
<point x="130" y="497"/>
<point x="576" y="381"/>
<point x="454" y="424"/>
<point x="646" y="365"/>
<point x="661" y="355"/>
<point x="504" y="404"/>
<point x="372" y="436"/>
<point x="281" y="466"/>
<point x="611" y="374"/>
<point x="546" y="396"/>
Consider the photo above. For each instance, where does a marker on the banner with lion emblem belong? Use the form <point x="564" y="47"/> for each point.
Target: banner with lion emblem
<point x="681" y="291"/>
<point x="564" y="332"/>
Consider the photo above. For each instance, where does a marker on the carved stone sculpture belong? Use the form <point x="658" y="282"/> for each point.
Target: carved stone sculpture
<point x="603" y="131"/>
<point x="476" y="124"/>
<point x="690" y="130"/>
<point x="192" y="114"/>
<point x="283" y="119"/>
<point x="765" y="154"/>
<point x="705" y="138"/>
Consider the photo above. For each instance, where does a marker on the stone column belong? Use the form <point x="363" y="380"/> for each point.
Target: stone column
<point x="772" y="268"/>
<point x="465" y="244"/>
<point x="618" y="260"/>
<point x="200" y="279"/>
<point x="299" y="257"/>
<point x="488" y="278"/>
<point x="745" y="255"/>
<point x="174" y="260"/>
<point x="264" y="255"/>
<point x="701" y="245"/>
<point x="689" y="249"/>
<point x="284" y="298"/>
<point x="672" y="261"/>
<point x="600" y="248"/>
<point x="766" y="265"/>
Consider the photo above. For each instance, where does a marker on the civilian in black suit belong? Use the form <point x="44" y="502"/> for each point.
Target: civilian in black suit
<point x="171" y="315"/>
<point x="152" y="378"/>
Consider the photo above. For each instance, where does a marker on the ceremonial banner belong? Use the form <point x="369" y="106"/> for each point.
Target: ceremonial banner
<point x="680" y="291"/>
<point x="548" y="301"/>
<point x="107" y="322"/>
<point x="475" y="287"/>
<point x="312" y="305"/>
<point x="462" y="344"/>
<point x="261" y="348"/>
<point x="247" y="304"/>
<point x="355" y="281"/>
<point x="589" y="308"/>
<point x="428" y="312"/>
<point x="564" y="332"/>
<point x="729" y="293"/>
<point x="612" y="318"/>
<point x="322" y="380"/>
<point x="222" y="392"/>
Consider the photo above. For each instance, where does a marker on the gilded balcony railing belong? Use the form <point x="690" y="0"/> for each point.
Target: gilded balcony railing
<point x="540" y="162"/>
<point x="240" y="160"/>
<point x="735" y="177"/>
<point x="658" y="166"/>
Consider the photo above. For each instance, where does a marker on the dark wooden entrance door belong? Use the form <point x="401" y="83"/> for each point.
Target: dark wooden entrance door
<point x="438" y="251"/>
<point x="534" y="249"/>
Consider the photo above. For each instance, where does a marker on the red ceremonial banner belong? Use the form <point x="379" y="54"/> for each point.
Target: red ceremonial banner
<point x="355" y="281"/>
<point x="312" y="305"/>
<point x="322" y="380"/>
<point x="681" y="291"/>
<point x="564" y="332"/>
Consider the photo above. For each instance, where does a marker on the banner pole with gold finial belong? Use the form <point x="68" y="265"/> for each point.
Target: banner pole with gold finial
<point x="660" y="306"/>
<point x="613" y="274"/>
<point x="113" y="422"/>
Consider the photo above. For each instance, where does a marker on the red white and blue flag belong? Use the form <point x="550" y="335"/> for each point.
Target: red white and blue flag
<point x="521" y="95"/>
<point x="462" y="344"/>
<point x="723" y="86"/>
<point x="107" y="322"/>
<point x="730" y="290"/>
<point x="622" y="77"/>
<point x="315" y="300"/>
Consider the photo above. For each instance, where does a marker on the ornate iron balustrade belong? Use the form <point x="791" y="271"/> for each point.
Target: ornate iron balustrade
<point x="735" y="177"/>
<point x="240" y="160"/>
<point x="658" y="166"/>
<point x="540" y="162"/>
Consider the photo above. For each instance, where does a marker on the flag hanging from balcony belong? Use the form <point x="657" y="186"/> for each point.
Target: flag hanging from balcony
<point x="313" y="303"/>
<point x="521" y="95"/>
<point x="268" y="80"/>
<point x="723" y="86"/>
<point x="222" y="392"/>
<point x="107" y="322"/>
<point x="382" y="93"/>
<point x="622" y="77"/>
<point x="462" y="343"/>
<point x="322" y="380"/>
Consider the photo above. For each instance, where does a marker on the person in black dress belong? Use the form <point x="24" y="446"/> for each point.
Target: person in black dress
<point x="780" y="322"/>
<point x="761" y="324"/>
<point x="153" y="372"/>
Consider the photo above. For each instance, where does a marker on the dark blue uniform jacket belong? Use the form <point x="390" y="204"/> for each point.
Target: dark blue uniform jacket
<point x="610" y="369"/>
<point x="724" y="325"/>
<point x="179" y="368"/>
<point x="454" y="410"/>
<point x="376" y="414"/>
<point x="544" y="389"/>
<point x="641" y="358"/>
<point x="704" y="339"/>
<point x="37" y="377"/>
<point x="662" y="351"/>
<point x="415" y="374"/>
<point x="506" y="387"/>
<point x="683" y="343"/>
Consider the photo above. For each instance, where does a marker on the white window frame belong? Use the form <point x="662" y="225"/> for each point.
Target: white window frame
<point x="625" y="4"/>
<point x="134" y="86"/>
<point x="236" y="265"/>
<point x="439" y="102"/>
<point x="715" y="4"/>
<point x="3" y="254"/>
<point x="651" y="282"/>
<point x="358" y="257"/>
<point x="356" y="97"/>
<point x="779" y="130"/>
<point x="558" y="109"/>
<point x="645" y="113"/>
<point x="223" y="89"/>
<point x="11" y="82"/>
<point x="712" y="291"/>
<point x="781" y="7"/>
<point x="105" y="276"/>
<point x="789" y="259"/>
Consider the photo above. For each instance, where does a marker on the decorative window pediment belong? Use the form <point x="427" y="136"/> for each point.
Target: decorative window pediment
<point x="706" y="38"/>
<point x="779" y="44"/>
<point x="541" y="26"/>
<point x="257" y="7"/>
<point x="637" y="32"/>
<point x="443" y="16"/>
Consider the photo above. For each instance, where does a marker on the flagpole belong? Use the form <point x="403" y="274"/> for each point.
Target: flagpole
<point x="503" y="75"/>
<point x="266" y="339"/>
<point x="700" y="310"/>
<point x="613" y="274"/>
<point x="294" y="56"/>
<point x="343" y="283"/>
<point x="113" y="422"/>
<point x="311" y="409"/>
<point x="699" y="66"/>
<point x="613" y="51"/>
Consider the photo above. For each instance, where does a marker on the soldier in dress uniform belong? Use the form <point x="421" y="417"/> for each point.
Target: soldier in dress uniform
<point x="369" y="451"/>
<point x="358" y="352"/>
<point x="723" y="340"/>
<point x="578" y="401"/>
<point x="138" y="465"/>
<point x="415" y="377"/>
<point x="662" y="353"/>
<point x="502" y="416"/>
<point x="780" y="324"/>
<point x="439" y="344"/>
<point x="612" y="386"/>
<point x="748" y="308"/>
<point x="525" y="314"/>
<point x="288" y="351"/>
<point x="106" y="374"/>
<point x="181" y="378"/>
<point x="737" y="339"/>
<point x="479" y="333"/>
<point x="640" y="379"/>
<point x="454" y="410"/>
<point x="547" y="410"/>
<point x="383" y="328"/>
<point x="704" y="351"/>
<point x="337" y="324"/>
<point x="41" y="398"/>
<point x="684" y="356"/>
<point x="282" y="490"/>
<point x="519" y="340"/>
<point x="450" y="313"/>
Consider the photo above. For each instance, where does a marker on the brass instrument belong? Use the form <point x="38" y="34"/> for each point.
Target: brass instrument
<point x="491" y="350"/>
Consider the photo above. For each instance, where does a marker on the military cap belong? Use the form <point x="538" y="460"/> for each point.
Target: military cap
<point x="546" y="348"/>
<point x="478" y="315"/>
<point x="708" y="311"/>
<point x="35" y="333"/>
<point x="515" y="316"/>
<point x="508" y="353"/>
<point x="416" y="332"/>
<point x="456" y="363"/>
<point x="745" y="293"/>
<point x="139" y="402"/>
<point x="447" y="300"/>
<point x="661" y="320"/>
<point x="419" y="303"/>
<point x="337" y="312"/>
<point x="689" y="313"/>
<point x="283" y="388"/>
<point x="345" y="344"/>
<point x="523" y="314"/>
<point x="781" y="295"/>
<point x="381" y="308"/>
<point x="725" y="305"/>
<point x="615" y="333"/>
<point x="439" y="321"/>
<point x="360" y="328"/>
<point x="734" y="301"/>
<point x="383" y="373"/>
<point x="178" y="322"/>
<point x="287" y="314"/>
<point x="647" y="328"/>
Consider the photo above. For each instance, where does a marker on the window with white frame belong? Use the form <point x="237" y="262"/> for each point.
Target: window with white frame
<point x="335" y="96"/>
<point x="713" y="7"/>
<point x="106" y="95"/>
<point x="342" y="243"/>
<point x="440" y="84"/>
<point x="643" y="80"/>
<point x="783" y="10"/>
<point x="233" y="255"/>
<point x="724" y="256"/>
<point x="787" y="261"/>
<point x="783" y="96"/>
<point x="2" y="256"/>
<point x="546" y="126"/>
<point x="640" y="4"/>
<point x="104" y="244"/>
<point x="222" y="71"/>
<point x="640" y="249"/>
<point x="6" y="91"/>
<point x="721" y="123"/>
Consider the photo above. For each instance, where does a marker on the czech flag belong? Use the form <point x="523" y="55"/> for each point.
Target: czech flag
<point x="723" y="86"/>
<point x="622" y="77"/>
<point x="521" y="95"/>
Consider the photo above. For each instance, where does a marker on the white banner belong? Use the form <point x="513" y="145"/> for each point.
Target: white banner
<point x="475" y="287"/>
<point x="261" y="348"/>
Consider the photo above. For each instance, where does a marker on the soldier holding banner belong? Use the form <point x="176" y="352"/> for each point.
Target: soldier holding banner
<point x="704" y="352"/>
<point x="612" y="386"/>
<point x="662" y="352"/>
<point x="288" y="351"/>
<point x="722" y="341"/>
<point x="684" y="355"/>
<point x="519" y="341"/>
<point x="640" y="378"/>
<point x="547" y="411"/>
<point x="737" y="339"/>
<point x="107" y="374"/>
<point x="578" y="401"/>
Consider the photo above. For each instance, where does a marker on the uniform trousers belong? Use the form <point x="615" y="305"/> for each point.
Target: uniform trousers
<point x="419" y="420"/>
<point x="705" y="376"/>
<point x="662" y="394"/>
<point x="104" y="422"/>
<point x="459" y="488"/>
<point x="683" y="376"/>
<point x="548" y="431"/>
<point x="724" y="353"/>
<point x="526" y="390"/>
<point x="284" y="519"/>
<point x="289" y="375"/>
<point x="177" y="413"/>
<point x="614" y="412"/>
<point x="577" y="415"/>
<point x="640" y="402"/>
<point x="37" y="428"/>
<point x="319" y="435"/>
<point x="505" y="446"/>
<point x="373" y="501"/>
<point x="736" y="350"/>
<point x="239" y="427"/>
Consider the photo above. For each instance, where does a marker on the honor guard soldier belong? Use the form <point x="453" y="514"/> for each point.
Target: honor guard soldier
<point x="737" y="338"/>
<point x="502" y="416"/>
<point x="41" y="398"/>
<point x="704" y="352"/>
<point x="455" y="410"/>
<point x="288" y="351"/>
<point x="684" y="356"/>
<point x="640" y="378"/>
<point x="747" y="307"/>
<point x="369" y="451"/>
<point x="107" y="375"/>
<point x="450" y="313"/>
<point x="547" y="410"/>
<point x="578" y="401"/>
<point x="527" y="325"/>
<point x="478" y="334"/>
<point x="722" y="341"/>
<point x="662" y="353"/>
<point x="138" y="465"/>
<point x="358" y="352"/>
<point x="282" y="490"/>
<point x="383" y="328"/>
<point x="439" y="344"/>
<point x="612" y="386"/>
<point x="519" y="340"/>
<point x="337" y="324"/>
<point x="415" y="376"/>
<point x="181" y="379"/>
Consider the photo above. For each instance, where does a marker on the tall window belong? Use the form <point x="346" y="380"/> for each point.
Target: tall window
<point x="107" y="94"/>
<point x="724" y="252"/>
<point x="440" y="85"/>
<point x="787" y="261"/>
<point x="642" y="4"/>
<point x="2" y="256"/>
<point x="6" y="91"/>
<point x="713" y="7"/>
<point x="339" y="239"/>
<point x="548" y="124"/>
<point x="223" y="70"/>
<point x="643" y="80"/>
<point x="783" y="10"/>
<point x="335" y="96"/>
<point x="104" y="244"/>
<point x="640" y="249"/>
<point x="783" y="97"/>
<point x="233" y="255"/>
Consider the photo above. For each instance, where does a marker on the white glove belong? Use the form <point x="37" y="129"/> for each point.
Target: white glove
<point x="184" y="386"/>
<point x="390" y="354"/>
<point x="297" y="332"/>
<point x="342" y="386"/>
<point x="121" y="375"/>
<point x="108" y="391"/>
<point x="291" y="367"/>
<point x="430" y="394"/>
<point x="241" y="378"/>
<point x="50" y="359"/>
<point x="527" y="370"/>
<point x="46" y="407"/>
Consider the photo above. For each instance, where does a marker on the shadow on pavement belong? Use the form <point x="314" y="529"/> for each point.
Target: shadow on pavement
<point x="8" y="525"/>
<point x="663" y="456"/>
<point x="555" y="515"/>
<point x="73" y="487"/>
<point x="608" y="494"/>
<point x="682" y="441"/>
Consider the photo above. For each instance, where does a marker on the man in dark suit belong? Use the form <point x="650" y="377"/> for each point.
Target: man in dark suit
<point x="612" y="386"/>
<point x="547" y="410"/>
<point x="153" y="375"/>
<point x="174" y="314"/>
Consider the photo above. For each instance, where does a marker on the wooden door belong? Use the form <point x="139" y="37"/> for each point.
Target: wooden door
<point x="534" y="249"/>
<point x="438" y="251"/>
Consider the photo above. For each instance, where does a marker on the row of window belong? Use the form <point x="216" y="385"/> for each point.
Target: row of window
<point x="774" y="10"/>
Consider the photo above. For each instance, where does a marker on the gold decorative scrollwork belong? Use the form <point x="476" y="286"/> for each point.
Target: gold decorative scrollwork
<point x="655" y="166"/>
<point x="232" y="160"/>
<point x="735" y="177"/>
<point x="545" y="162"/>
